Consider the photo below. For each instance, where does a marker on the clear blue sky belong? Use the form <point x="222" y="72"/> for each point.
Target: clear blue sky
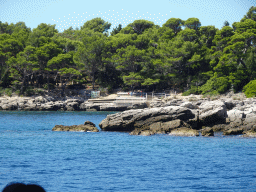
<point x="66" y="13"/>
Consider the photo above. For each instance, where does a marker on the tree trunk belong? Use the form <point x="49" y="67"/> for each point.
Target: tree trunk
<point x="93" y="81"/>
<point x="22" y="85"/>
<point x="48" y="87"/>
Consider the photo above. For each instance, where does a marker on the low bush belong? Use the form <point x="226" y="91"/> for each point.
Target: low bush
<point x="192" y="90"/>
<point x="6" y="91"/>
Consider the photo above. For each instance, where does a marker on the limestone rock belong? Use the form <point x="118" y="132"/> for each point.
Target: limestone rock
<point x="219" y="127"/>
<point x="158" y="128"/>
<point x="183" y="131"/>
<point x="143" y="118"/>
<point x="89" y="123"/>
<point x="189" y="105"/>
<point x="250" y="133"/>
<point x="207" y="131"/>
<point x="89" y="126"/>
<point x="234" y="114"/>
<point x="234" y="131"/>
<point x="230" y="104"/>
<point x="213" y="112"/>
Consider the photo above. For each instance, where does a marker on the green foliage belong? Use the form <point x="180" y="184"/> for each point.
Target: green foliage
<point x="139" y="26"/>
<point x="188" y="34"/>
<point x="6" y="91"/>
<point x="192" y="23"/>
<point x="251" y="14"/>
<point x="226" y="23"/>
<point x="116" y="30"/>
<point x="215" y="85"/>
<point x="133" y="79"/>
<point x="141" y="55"/>
<point x="250" y="89"/>
<point x="97" y="25"/>
<point x="175" y="24"/>
<point x="192" y="90"/>
<point x="41" y="35"/>
<point x="50" y="86"/>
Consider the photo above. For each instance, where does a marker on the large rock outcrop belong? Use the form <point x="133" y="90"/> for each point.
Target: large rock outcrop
<point x="145" y="118"/>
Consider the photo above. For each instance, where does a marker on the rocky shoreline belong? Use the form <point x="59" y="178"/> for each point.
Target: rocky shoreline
<point x="231" y="114"/>
<point x="41" y="103"/>
<point x="190" y="116"/>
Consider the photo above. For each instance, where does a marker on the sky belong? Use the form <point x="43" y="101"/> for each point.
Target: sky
<point x="67" y="13"/>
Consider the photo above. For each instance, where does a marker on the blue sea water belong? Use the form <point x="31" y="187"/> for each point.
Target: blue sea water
<point x="112" y="161"/>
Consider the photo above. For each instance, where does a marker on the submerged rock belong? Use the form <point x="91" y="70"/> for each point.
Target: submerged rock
<point x="87" y="126"/>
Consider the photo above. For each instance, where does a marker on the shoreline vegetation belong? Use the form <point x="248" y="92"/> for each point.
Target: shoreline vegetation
<point x="214" y="69"/>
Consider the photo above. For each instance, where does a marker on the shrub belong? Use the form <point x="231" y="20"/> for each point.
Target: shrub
<point x="29" y="91"/>
<point x="17" y="92"/>
<point x="8" y="91"/>
<point x="192" y="90"/>
<point x="250" y="89"/>
<point x="186" y="93"/>
<point x="215" y="85"/>
<point x="1" y="91"/>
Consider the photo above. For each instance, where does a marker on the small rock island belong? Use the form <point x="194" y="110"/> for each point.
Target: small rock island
<point x="86" y="127"/>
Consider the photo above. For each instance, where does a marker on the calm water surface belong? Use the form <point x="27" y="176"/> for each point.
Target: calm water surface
<point x="110" y="161"/>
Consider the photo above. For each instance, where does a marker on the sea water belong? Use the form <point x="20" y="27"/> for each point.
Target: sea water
<point x="113" y="161"/>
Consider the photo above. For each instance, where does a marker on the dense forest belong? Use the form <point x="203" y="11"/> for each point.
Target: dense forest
<point x="179" y="55"/>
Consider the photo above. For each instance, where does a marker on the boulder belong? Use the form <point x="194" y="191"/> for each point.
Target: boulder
<point x="40" y="99"/>
<point x="230" y="104"/>
<point x="250" y="118"/>
<point x="189" y="105"/>
<point x="212" y="112"/>
<point x="46" y="106"/>
<point x="112" y="107"/>
<point x="5" y="107"/>
<point x="86" y="106"/>
<point x="207" y="131"/>
<point x="89" y="123"/>
<point x="183" y="131"/>
<point x="143" y="133"/>
<point x="234" y="131"/>
<point x="219" y="127"/>
<point x="143" y="118"/>
<point x="29" y="107"/>
<point x="138" y="106"/>
<point x="234" y="115"/>
<point x="158" y="128"/>
<point x="250" y="133"/>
